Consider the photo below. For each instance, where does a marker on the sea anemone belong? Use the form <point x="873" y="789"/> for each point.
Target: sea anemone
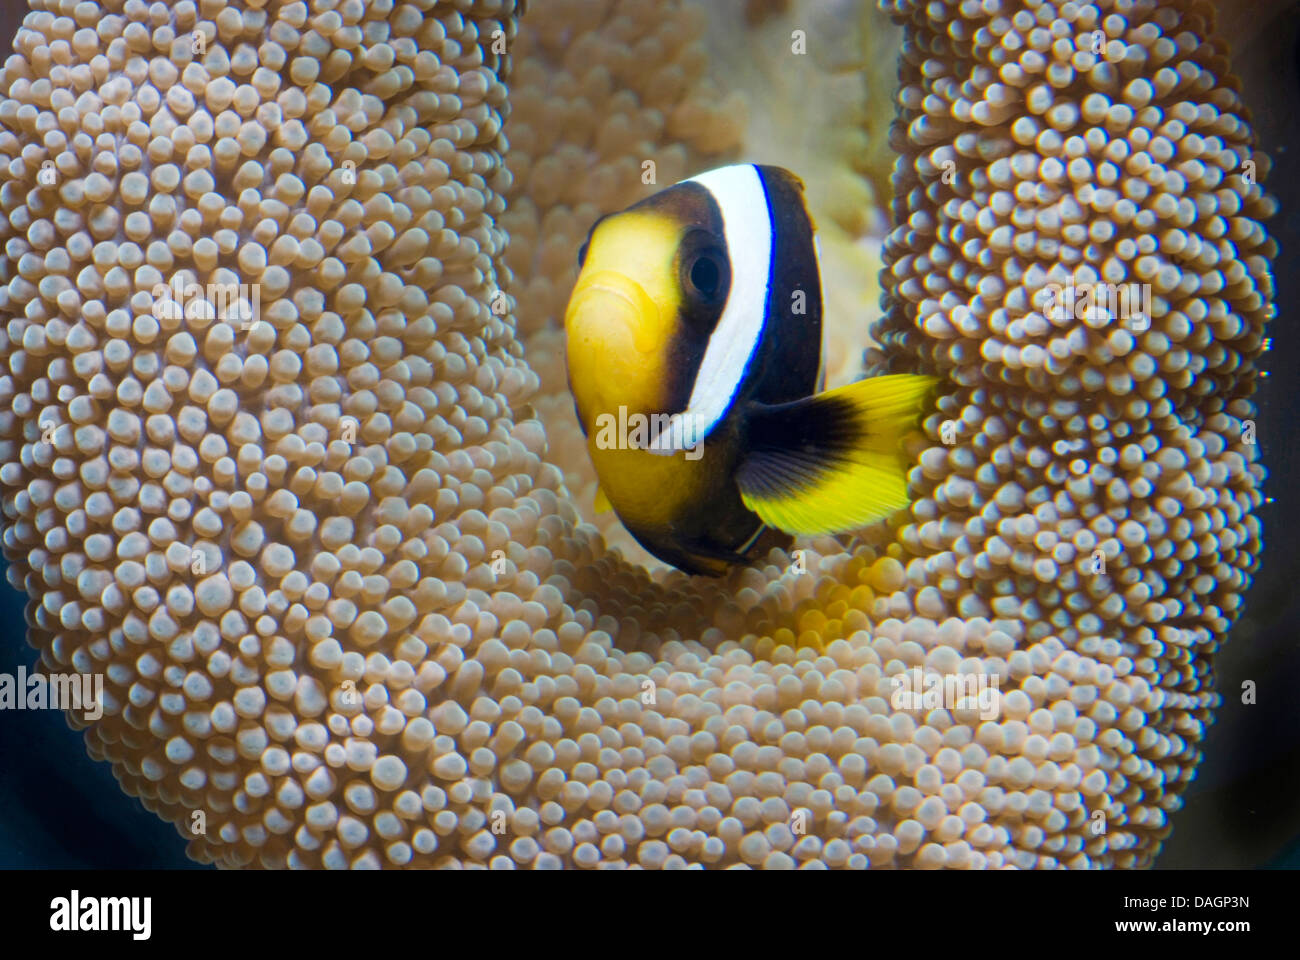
<point x="346" y="610"/>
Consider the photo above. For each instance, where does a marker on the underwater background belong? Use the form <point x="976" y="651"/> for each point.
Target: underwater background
<point x="58" y="808"/>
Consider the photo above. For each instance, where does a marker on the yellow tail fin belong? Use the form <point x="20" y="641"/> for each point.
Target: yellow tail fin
<point x="833" y="462"/>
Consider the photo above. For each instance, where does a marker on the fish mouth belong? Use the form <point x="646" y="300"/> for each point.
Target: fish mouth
<point x="613" y="309"/>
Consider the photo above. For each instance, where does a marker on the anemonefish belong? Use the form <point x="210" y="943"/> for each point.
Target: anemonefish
<point x="694" y="351"/>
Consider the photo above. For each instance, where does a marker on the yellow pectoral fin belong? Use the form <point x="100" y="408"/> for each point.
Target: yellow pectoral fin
<point x="833" y="462"/>
<point x="602" y="504"/>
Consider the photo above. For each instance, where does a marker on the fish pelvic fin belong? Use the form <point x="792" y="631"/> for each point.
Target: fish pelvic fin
<point x="833" y="462"/>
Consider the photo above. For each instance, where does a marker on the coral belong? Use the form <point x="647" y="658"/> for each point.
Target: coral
<point x="1100" y="479"/>
<point x="231" y="514"/>
<point x="405" y="649"/>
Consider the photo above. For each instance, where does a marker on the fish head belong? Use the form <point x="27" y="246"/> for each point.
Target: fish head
<point x="623" y="315"/>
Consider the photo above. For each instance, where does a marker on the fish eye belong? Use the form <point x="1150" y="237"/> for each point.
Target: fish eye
<point x="706" y="274"/>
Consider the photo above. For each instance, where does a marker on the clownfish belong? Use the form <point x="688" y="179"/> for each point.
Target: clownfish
<point x="694" y="351"/>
